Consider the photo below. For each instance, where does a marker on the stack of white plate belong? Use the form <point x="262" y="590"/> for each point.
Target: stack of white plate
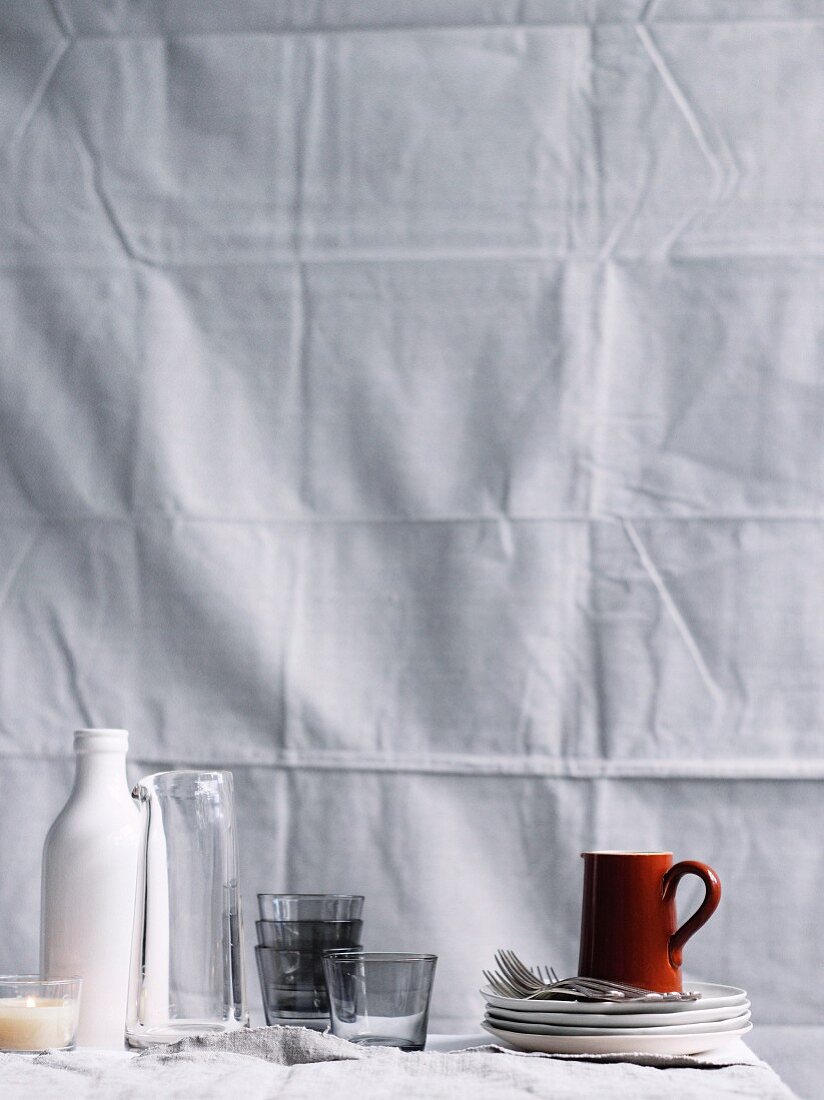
<point x="607" y="1027"/>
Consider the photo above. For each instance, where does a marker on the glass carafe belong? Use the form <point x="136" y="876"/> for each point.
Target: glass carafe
<point x="187" y="967"/>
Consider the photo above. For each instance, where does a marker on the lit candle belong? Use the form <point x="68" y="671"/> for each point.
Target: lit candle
<point x="36" y="1023"/>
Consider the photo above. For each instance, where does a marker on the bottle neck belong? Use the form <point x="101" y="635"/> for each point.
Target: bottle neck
<point x="101" y="772"/>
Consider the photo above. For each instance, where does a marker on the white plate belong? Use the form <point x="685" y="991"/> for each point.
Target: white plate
<point x="698" y="1043"/>
<point x="627" y="1019"/>
<point x="712" y="996"/>
<point x="673" y="1029"/>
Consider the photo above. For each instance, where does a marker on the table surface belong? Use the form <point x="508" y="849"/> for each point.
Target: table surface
<point x="736" y="1050"/>
<point x="443" y="1073"/>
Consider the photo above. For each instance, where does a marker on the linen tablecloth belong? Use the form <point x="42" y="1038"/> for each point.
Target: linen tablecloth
<point x="294" y="1064"/>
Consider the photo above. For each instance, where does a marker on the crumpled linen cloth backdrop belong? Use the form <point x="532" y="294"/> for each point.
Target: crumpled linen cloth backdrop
<point x="416" y="408"/>
<point x="296" y="1064"/>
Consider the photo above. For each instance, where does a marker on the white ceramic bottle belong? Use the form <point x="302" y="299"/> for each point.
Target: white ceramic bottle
<point x="88" y="887"/>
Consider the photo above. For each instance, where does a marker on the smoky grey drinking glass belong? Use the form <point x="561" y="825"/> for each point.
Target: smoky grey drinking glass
<point x="316" y="907"/>
<point x="187" y="969"/>
<point x="289" y="953"/>
<point x="309" y="935"/>
<point x="293" y="987"/>
<point x="380" y="998"/>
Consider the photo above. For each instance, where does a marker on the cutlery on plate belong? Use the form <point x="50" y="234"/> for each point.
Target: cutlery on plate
<point x="514" y="979"/>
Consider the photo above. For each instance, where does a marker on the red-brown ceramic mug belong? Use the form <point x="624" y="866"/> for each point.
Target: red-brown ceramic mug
<point x="628" y="917"/>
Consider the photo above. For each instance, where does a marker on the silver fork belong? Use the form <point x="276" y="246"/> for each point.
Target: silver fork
<point x="516" y="979"/>
<point x="520" y="976"/>
<point x="500" y="986"/>
<point x="504" y="988"/>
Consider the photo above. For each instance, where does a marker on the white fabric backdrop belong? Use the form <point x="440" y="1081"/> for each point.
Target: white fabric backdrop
<point x="416" y="408"/>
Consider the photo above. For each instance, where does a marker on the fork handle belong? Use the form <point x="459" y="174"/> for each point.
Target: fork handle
<point x="712" y="896"/>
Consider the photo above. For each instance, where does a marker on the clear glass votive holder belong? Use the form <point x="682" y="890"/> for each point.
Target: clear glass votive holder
<point x="38" y="1013"/>
<point x="380" y="998"/>
<point x="290" y="907"/>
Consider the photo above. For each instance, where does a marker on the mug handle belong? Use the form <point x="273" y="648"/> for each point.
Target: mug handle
<point x="712" y="896"/>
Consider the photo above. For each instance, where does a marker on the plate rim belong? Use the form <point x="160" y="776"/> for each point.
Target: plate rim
<point x="668" y="1031"/>
<point x="718" y="1039"/>
<point x="603" y="1019"/>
